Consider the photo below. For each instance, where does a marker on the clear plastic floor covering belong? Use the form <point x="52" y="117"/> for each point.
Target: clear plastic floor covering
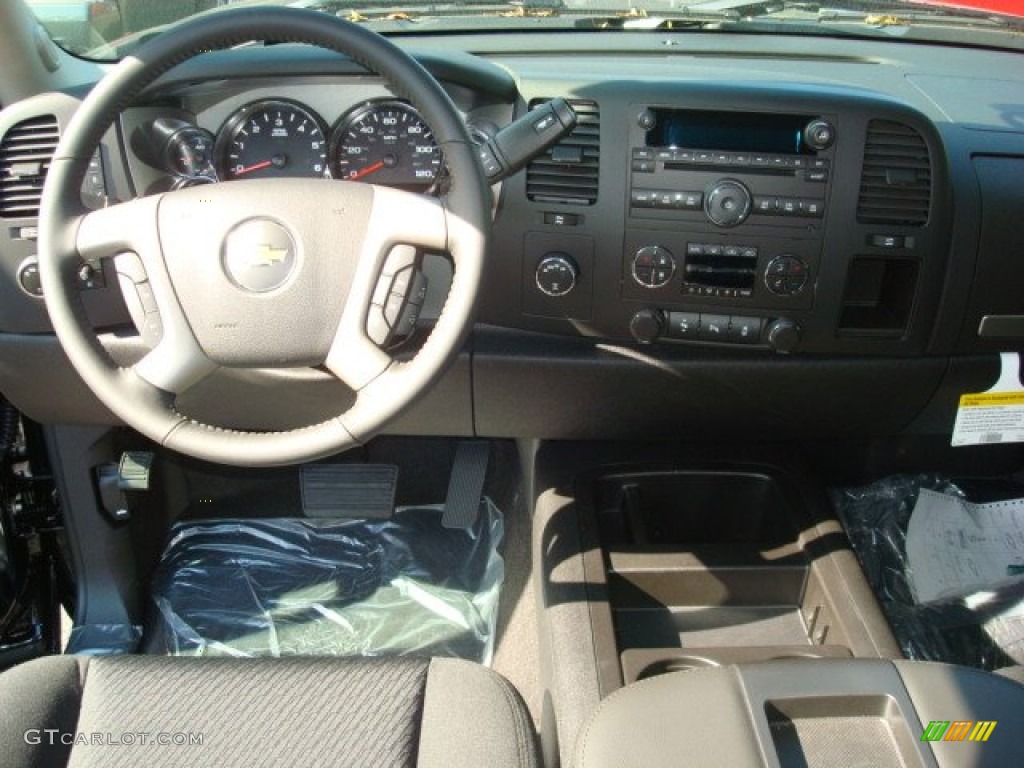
<point x="286" y="587"/>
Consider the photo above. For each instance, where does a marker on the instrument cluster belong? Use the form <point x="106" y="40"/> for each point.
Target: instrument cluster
<point x="383" y="141"/>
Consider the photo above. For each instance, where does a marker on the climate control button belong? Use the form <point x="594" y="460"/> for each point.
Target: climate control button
<point x="653" y="266"/>
<point x="786" y="275"/>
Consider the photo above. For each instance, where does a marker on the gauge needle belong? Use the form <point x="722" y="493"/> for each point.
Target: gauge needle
<point x="251" y="168"/>
<point x="367" y="170"/>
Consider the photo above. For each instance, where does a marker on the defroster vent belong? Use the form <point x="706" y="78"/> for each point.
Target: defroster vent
<point x="25" y="155"/>
<point x="568" y="171"/>
<point x="896" y="184"/>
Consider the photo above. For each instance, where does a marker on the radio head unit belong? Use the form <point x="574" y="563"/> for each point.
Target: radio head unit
<point x="724" y="168"/>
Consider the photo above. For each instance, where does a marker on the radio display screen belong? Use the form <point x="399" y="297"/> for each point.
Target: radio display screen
<point x="729" y="131"/>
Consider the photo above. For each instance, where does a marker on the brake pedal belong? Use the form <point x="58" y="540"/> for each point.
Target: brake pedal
<point x="349" y="490"/>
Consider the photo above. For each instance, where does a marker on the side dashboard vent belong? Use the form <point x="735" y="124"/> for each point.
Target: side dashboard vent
<point x="25" y="155"/>
<point x="568" y="171"/>
<point x="896" y="184"/>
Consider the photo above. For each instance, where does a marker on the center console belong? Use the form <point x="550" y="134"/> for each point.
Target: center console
<point x="810" y="715"/>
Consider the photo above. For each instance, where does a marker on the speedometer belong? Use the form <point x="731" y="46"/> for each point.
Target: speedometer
<point x="270" y="139"/>
<point x="385" y="142"/>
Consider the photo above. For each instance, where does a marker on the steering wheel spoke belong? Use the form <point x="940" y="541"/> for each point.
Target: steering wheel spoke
<point x="127" y="232"/>
<point x="400" y="223"/>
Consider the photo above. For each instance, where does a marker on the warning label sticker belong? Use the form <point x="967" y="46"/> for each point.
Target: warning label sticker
<point x="996" y="416"/>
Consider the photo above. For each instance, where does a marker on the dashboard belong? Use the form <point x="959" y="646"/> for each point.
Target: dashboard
<point x="775" y="218"/>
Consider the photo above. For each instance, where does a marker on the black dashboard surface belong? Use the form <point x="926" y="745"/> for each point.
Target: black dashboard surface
<point x="890" y="240"/>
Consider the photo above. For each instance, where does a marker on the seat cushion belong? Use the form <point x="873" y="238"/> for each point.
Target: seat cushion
<point x="225" y="712"/>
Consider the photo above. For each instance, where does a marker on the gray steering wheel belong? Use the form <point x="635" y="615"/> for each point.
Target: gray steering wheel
<point x="200" y="257"/>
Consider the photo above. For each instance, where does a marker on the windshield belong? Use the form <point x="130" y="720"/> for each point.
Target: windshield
<point x="109" y="29"/>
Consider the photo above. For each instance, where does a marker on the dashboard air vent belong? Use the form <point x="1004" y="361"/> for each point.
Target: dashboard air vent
<point x="25" y="155"/>
<point x="896" y="184"/>
<point x="568" y="171"/>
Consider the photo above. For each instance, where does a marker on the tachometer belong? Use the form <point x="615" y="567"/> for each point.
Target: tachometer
<point x="385" y="142"/>
<point x="269" y="139"/>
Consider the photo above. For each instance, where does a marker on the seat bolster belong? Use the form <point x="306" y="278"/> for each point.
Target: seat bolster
<point x="473" y="717"/>
<point x="39" y="705"/>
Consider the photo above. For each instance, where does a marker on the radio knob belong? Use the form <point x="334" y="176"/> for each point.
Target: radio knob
<point x="819" y="134"/>
<point x="783" y="335"/>
<point x="727" y="203"/>
<point x="556" y="274"/>
<point x="647" y="325"/>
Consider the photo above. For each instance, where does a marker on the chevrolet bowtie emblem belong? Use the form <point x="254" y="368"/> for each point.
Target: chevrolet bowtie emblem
<point x="267" y="256"/>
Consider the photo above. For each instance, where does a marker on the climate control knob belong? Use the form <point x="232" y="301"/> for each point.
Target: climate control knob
<point x="727" y="203"/>
<point x="647" y="325"/>
<point x="556" y="274"/>
<point x="653" y="266"/>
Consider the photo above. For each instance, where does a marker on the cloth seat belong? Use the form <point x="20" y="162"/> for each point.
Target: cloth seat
<point x="150" y="712"/>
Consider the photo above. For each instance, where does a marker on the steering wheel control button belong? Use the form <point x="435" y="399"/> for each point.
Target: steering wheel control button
<point x="556" y="274"/>
<point x="786" y="275"/>
<point x="727" y="203"/>
<point x="683" y="325"/>
<point x="90" y="278"/>
<point x="259" y="255"/>
<point x="653" y="266"/>
<point x="28" y="278"/>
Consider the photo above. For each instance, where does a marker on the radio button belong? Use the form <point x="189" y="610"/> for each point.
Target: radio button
<point x="812" y="207"/>
<point x="789" y="206"/>
<point x="688" y="201"/>
<point x="642" y="198"/>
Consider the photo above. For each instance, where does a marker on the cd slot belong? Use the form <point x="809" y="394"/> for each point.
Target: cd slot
<point x="747" y="170"/>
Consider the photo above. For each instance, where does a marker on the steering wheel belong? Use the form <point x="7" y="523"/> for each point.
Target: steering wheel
<point x="261" y="273"/>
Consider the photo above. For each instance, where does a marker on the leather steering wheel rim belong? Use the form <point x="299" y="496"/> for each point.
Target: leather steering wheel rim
<point x="143" y="395"/>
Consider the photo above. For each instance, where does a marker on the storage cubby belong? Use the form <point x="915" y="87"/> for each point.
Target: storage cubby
<point x="705" y="568"/>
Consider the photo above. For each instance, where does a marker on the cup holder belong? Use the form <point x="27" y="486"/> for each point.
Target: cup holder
<point x="676" y="664"/>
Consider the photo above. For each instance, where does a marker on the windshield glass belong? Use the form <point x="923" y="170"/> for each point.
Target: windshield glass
<point x="109" y="29"/>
